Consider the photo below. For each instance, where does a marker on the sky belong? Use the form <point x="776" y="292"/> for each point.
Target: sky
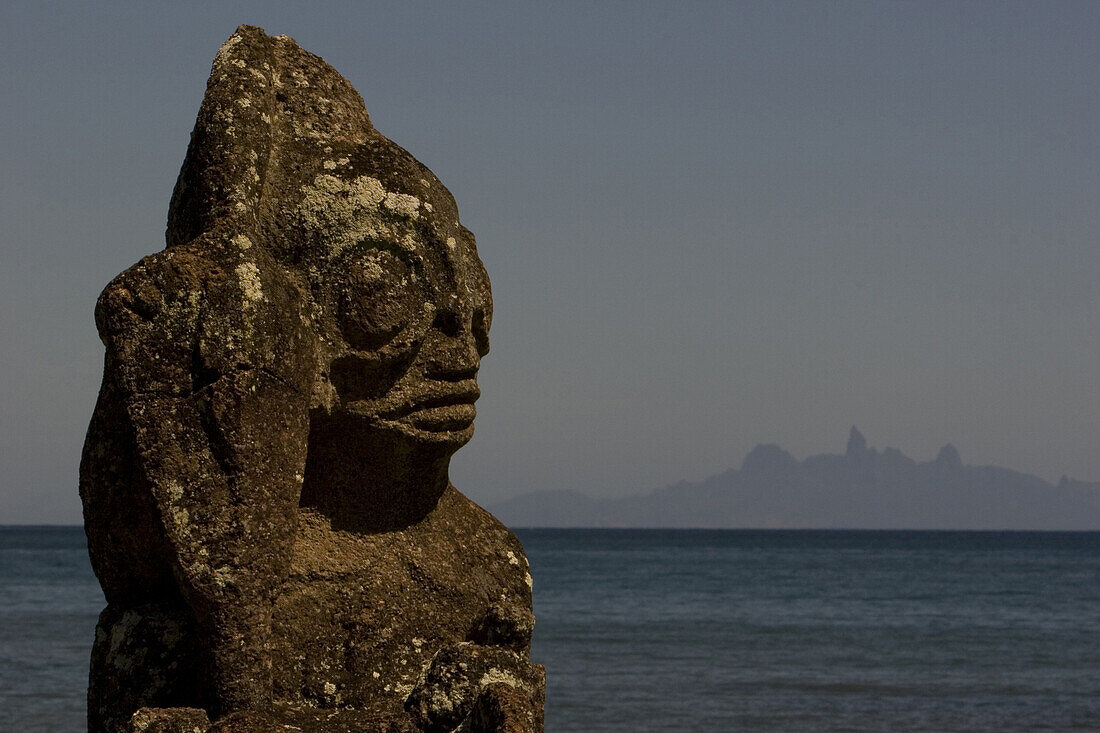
<point x="708" y="225"/>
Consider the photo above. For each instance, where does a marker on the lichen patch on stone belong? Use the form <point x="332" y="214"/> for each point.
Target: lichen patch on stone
<point x="498" y="676"/>
<point x="341" y="212"/>
<point x="402" y="203"/>
<point x="249" y="276"/>
<point x="227" y="48"/>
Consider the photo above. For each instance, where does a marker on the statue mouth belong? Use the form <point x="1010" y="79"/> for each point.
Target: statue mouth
<point x="439" y="411"/>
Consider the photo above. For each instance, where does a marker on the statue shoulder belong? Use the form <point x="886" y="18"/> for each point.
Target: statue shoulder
<point x="209" y="306"/>
<point x="151" y="290"/>
<point x="148" y="318"/>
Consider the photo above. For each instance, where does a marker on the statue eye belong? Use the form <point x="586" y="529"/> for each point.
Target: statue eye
<point x="381" y="295"/>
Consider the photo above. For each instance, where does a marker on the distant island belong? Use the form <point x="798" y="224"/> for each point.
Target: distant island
<point x="863" y="489"/>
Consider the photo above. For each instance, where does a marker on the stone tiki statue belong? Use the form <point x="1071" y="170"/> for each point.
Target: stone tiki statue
<point x="264" y="479"/>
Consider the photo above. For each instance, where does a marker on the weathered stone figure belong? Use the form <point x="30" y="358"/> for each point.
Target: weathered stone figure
<point x="265" y="476"/>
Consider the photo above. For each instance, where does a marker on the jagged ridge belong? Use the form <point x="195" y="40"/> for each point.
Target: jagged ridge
<point x="862" y="489"/>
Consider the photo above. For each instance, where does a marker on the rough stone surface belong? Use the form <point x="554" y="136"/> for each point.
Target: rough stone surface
<point x="501" y="708"/>
<point x="169" y="720"/>
<point x="265" y="477"/>
<point x="447" y="692"/>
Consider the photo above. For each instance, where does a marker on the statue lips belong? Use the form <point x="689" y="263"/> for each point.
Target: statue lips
<point x="445" y="410"/>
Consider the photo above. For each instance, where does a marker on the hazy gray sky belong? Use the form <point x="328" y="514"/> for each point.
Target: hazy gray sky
<point x="708" y="225"/>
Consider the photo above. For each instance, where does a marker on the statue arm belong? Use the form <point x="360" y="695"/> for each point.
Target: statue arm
<point x="213" y="360"/>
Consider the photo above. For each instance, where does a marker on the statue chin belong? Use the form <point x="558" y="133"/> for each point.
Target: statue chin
<point x="366" y="474"/>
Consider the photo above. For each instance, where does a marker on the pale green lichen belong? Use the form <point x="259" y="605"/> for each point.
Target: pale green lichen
<point x="249" y="276"/>
<point x="403" y="689"/>
<point x="409" y="241"/>
<point x="402" y="203"/>
<point x="227" y="48"/>
<point x="499" y="676"/>
<point x="341" y="212"/>
<point x="181" y="517"/>
<point x="331" y="165"/>
<point x="223" y="576"/>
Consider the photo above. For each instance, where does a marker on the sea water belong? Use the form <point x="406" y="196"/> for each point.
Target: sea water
<point x="659" y="630"/>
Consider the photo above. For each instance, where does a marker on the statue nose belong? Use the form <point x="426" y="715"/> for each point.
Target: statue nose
<point x="454" y="355"/>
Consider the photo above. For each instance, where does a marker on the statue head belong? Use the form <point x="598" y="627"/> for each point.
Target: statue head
<point x="400" y="299"/>
<point x="284" y="154"/>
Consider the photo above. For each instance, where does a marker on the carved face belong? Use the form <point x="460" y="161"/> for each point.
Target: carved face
<point x="410" y="300"/>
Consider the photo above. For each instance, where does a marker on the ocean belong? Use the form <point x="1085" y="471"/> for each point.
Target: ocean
<point x="659" y="630"/>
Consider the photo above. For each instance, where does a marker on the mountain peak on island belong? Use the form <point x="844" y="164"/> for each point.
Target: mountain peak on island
<point x="949" y="457"/>
<point x="857" y="444"/>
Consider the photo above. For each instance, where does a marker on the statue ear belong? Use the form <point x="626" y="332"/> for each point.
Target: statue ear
<point x="254" y="139"/>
